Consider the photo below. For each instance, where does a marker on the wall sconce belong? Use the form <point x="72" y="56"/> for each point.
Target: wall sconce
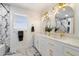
<point x="61" y="5"/>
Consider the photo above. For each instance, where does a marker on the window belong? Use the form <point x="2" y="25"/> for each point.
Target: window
<point x="20" y="22"/>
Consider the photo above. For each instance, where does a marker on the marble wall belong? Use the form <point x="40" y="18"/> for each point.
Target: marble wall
<point x="4" y="25"/>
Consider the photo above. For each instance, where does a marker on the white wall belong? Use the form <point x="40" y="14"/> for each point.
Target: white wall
<point x="33" y="18"/>
<point x="76" y="19"/>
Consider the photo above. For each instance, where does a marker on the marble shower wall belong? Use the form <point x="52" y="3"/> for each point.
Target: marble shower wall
<point x="4" y="25"/>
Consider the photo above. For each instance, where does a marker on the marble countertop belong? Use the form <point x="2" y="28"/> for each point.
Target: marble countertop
<point x="65" y="39"/>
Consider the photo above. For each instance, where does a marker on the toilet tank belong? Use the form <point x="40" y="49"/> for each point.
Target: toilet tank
<point x="2" y="49"/>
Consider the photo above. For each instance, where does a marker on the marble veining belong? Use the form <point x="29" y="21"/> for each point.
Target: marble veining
<point x="4" y="26"/>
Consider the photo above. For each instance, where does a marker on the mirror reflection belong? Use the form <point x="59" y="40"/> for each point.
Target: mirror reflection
<point x="60" y="20"/>
<point x="64" y="18"/>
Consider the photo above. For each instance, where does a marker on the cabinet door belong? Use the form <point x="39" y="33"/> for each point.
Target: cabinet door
<point x="41" y="44"/>
<point x="71" y="51"/>
<point x="44" y="46"/>
<point x="57" y="48"/>
<point x="37" y="42"/>
<point x="51" y="48"/>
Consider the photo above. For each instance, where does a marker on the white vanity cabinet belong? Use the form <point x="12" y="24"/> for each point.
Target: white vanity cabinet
<point x="48" y="46"/>
<point x="70" y="50"/>
<point x="42" y="45"/>
<point x="38" y="44"/>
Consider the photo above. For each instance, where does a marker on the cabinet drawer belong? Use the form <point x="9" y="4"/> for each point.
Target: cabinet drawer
<point x="69" y="51"/>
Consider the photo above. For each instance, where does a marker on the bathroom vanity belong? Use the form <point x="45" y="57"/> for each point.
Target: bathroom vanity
<point x="56" y="46"/>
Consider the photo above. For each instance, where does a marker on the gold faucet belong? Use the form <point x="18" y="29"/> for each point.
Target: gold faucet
<point x="61" y="34"/>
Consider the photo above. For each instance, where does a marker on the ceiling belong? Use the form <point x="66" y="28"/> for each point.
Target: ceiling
<point x="36" y="7"/>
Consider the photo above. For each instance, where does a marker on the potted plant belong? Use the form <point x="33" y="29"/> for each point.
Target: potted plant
<point x="48" y="29"/>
